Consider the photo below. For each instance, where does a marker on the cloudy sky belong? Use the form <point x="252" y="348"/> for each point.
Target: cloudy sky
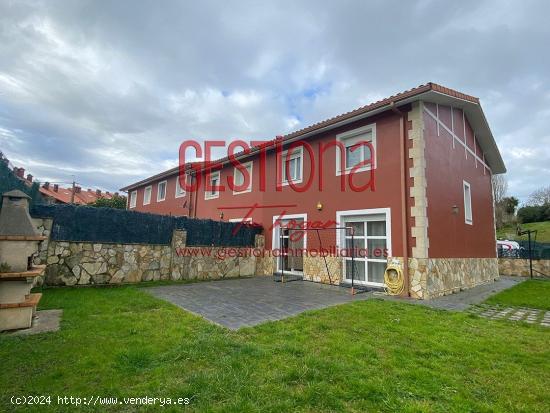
<point x="105" y="91"/>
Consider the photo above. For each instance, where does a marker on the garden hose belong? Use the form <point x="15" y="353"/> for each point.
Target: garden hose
<point x="394" y="280"/>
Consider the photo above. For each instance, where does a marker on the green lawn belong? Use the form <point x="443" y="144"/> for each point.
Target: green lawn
<point x="530" y="293"/>
<point x="543" y="231"/>
<point x="366" y="356"/>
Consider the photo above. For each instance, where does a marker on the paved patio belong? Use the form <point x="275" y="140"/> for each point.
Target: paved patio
<point x="247" y="302"/>
<point x="464" y="299"/>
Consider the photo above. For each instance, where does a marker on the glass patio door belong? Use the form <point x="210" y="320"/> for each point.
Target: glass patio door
<point x="291" y="245"/>
<point x="370" y="243"/>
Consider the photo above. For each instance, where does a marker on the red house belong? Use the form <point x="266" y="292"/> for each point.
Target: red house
<point x="426" y="197"/>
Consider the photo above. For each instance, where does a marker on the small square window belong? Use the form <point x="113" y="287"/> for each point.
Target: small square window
<point x="147" y="195"/>
<point x="356" y="151"/>
<point x="212" y="192"/>
<point x="161" y="191"/>
<point x="133" y="199"/>
<point x="292" y="165"/>
<point x="180" y="191"/>
<point x="238" y="178"/>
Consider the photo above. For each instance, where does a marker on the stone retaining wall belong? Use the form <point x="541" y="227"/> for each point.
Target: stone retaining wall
<point x="520" y="267"/>
<point x="82" y="263"/>
<point x="434" y="277"/>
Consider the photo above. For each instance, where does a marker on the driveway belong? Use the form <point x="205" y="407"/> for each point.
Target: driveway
<point x="247" y="302"/>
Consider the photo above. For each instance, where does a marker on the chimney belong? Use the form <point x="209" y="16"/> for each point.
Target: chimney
<point x="98" y="192"/>
<point x="46" y="185"/>
<point x="89" y="189"/>
<point x="20" y="173"/>
<point x="29" y="177"/>
<point x="107" y="192"/>
<point x="77" y="189"/>
<point x="116" y="194"/>
<point x="55" y="187"/>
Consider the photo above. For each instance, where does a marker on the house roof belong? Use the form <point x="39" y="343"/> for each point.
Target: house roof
<point x="81" y="197"/>
<point x="430" y="92"/>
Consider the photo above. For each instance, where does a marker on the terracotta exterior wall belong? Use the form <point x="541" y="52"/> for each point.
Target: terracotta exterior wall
<point x="447" y="166"/>
<point x="387" y="193"/>
<point x="170" y="206"/>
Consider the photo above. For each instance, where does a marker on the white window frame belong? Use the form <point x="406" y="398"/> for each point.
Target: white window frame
<point x="207" y="194"/>
<point x="297" y="152"/>
<point x="159" y="199"/>
<point x="468" y="218"/>
<point x="275" y="233"/>
<point x="180" y="192"/>
<point x="133" y="199"/>
<point x="356" y="133"/>
<point x="147" y="199"/>
<point x="341" y="240"/>
<point x="237" y="171"/>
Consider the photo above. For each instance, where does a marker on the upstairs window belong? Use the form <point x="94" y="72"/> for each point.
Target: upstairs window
<point x="292" y="166"/>
<point x="239" y="178"/>
<point x="147" y="195"/>
<point x="356" y="152"/>
<point x="161" y="191"/>
<point x="212" y="192"/>
<point x="133" y="199"/>
<point x="180" y="192"/>
<point x="468" y="218"/>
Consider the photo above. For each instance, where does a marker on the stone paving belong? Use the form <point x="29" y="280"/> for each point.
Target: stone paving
<point x="463" y="300"/>
<point x="247" y="302"/>
<point x="523" y="314"/>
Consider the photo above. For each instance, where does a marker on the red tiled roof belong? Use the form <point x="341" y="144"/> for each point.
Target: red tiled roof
<point x="83" y="197"/>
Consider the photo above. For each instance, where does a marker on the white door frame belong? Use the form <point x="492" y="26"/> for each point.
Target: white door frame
<point x="275" y="237"/>
<point x="341" y="244"/>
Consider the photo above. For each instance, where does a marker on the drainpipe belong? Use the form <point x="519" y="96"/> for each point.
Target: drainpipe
<point x="196" y="195"/>
<point x="404" y="203"/>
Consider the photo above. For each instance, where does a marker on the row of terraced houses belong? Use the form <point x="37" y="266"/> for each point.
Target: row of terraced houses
<point x="429" y="207"/>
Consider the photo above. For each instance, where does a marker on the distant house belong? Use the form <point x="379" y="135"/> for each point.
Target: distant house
<point x="60" y="195"/>
<point x="433" y="155"/>
<point x="55" y="194"/>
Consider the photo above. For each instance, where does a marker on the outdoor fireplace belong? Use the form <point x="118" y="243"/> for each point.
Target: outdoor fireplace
<point x="19" y="241"/>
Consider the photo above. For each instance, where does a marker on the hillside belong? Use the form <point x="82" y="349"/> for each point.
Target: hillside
<point x="543" y="229"/>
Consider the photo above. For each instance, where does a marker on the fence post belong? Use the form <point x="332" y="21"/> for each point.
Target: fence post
<point x="179" y="240"/>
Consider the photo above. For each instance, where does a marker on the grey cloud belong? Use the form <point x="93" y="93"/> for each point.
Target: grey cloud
<point x="106" y="91"/>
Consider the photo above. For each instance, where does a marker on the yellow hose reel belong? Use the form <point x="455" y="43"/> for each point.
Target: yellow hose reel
<point x="394" y="280"/>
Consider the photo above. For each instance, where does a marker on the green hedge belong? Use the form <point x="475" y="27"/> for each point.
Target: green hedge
<point x="92" y="224"/>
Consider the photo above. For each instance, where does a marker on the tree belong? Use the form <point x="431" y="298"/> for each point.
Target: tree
<point x="534" y="213"/>
<point x="500" y="186"/>
<point x="540" y="197"/>
<point x="509" y="204"/>
<point x="117" y="201"/>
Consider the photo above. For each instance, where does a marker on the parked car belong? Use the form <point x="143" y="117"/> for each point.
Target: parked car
<point x="507" y="245"/>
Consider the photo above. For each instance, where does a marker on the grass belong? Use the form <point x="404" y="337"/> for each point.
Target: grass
<point x="530" y="293"/>
<point x="365" y="356"/>
<point x="543" y="234"/>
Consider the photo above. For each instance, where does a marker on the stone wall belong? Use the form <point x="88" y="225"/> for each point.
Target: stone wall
<point x="71" y="263"/>
<point x="520" y="267"/>
<point x="44" y="227"/>
<point x="315" y="269"/>
<point x="434" y="277"/>
<point x="81" y="263"/>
